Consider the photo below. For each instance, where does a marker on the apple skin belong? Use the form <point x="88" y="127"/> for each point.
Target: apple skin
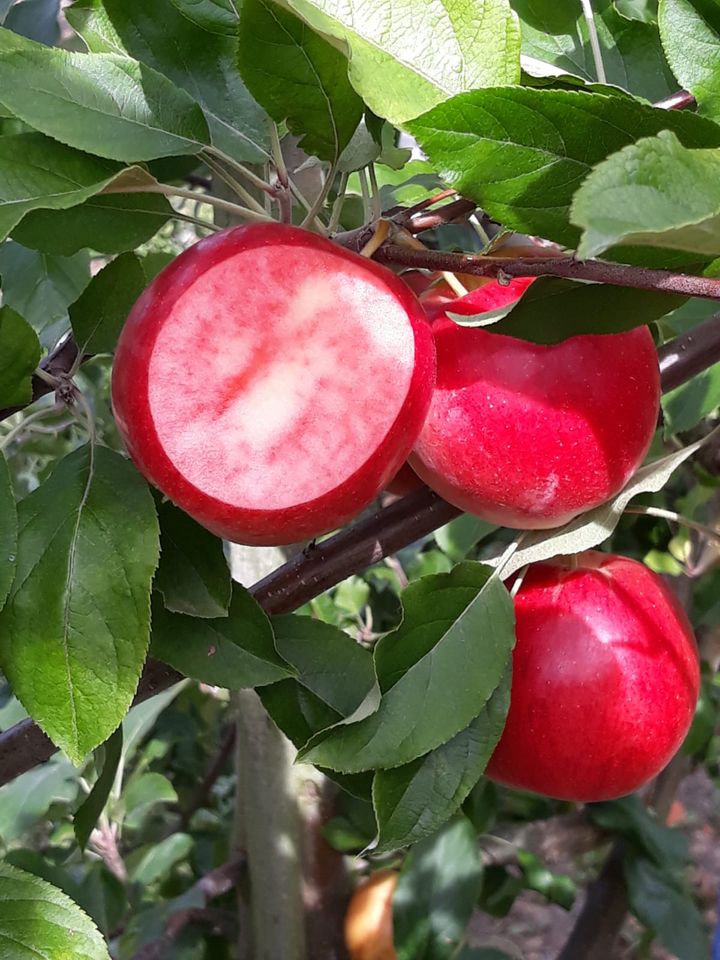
<point x="396" y="426"/>
<point x="404" y="481"/>
<point x="369" y="920"/>
<point x="605" y="680"/>
<point x="530" y="436"/>
<point x="490" y="295"/>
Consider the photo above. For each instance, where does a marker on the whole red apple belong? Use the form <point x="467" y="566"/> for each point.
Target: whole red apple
<point x="605" y="680"/>
<point x="270" y="383"/>
<point x="529" y="436"/>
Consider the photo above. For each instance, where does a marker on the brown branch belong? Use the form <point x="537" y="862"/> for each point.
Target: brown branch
<point x="599" y="271"/>
<point x="677" y="101"/>
<point x="59" y="363"/>
<point x="212" y="885"/>
<point x="319" y="568"/>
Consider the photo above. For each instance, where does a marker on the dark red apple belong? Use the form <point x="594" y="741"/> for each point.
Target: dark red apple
<point x="605" y="680"/>
<point x="404" y="481"/>
<point x="529" y="436"/>
<point x="270" y="383"/>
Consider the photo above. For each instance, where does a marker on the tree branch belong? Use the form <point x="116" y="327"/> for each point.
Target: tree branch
<point x="599" y="271"/>
<point x="321" y="567"/>
<point x="212" y="885"/>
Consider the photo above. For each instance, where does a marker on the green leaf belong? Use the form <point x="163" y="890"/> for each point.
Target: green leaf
<point x="8" y="532"/>
<point x="37" y="920"/>
<point x="662" y="903"/>
<point x="553" y="309"/>
<point x="111" y="223"/>
<point x="233" y="651"/>
<point x="644" y="10"/>
<point x="457" y="634"/>
<point x="632" y="55"/>
<point x="215" y="16"/>
<point x="458" y="537"/>
<point x="142" y="795"/>
<point x="690" y="32"/>
<point x="20" y="354"/>
<point x="595" y="526"/>
<point x="298" y="77"/>
<point x="688" y="404"/>
<point x="327" y="661"/>
<point x="99" y="314"/>
<point x="36" y="171"/>
<point x="203" y="65"/>
<point x="26" y="800"/>
<point x="89" y="812"/>
<point x="75" y="627"/>
<point x="108" y="105"/>
<point x="436" y="893"/>
<point x="653" y="193"/>
<point x="628" y="816"/>
<point x="193" y="575"/>
<point x="161" y="857"/>
<point x="40" y="287"/>
<point x="406" y="57"/>
<point x="522" y="153"/>
<point x="412" y="801"/>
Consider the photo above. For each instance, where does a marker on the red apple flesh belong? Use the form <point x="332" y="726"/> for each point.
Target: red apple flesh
<point x="605" y="680"/>
<point x="529" y="436"/>
<point x="270" y="383"/>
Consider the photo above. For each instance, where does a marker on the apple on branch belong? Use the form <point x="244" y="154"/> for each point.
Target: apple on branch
<point x="270" y="382"/>
<point x="529" y="436"/>
<point x="605" y="680"/>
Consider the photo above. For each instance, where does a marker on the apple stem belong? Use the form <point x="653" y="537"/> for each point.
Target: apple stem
<point x="375" y="192"/>
<point x="283" y="196"/>
<point x="240" y="168"/>
<point x="338" y="204"/>
<point x="320" y="200"/>
<point x="589" y="15"/>
<point x="218" y="169"/>
<point x="169" y="191"/>
<point x="26" y="422"/>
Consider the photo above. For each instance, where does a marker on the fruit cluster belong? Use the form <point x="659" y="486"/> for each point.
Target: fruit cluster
<point x="271" y="384"/>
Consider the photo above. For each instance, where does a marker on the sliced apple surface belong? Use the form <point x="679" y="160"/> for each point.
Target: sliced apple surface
<point x="270" y="382"/>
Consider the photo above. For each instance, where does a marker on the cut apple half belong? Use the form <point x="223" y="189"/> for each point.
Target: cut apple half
<point x="270" y="382"/>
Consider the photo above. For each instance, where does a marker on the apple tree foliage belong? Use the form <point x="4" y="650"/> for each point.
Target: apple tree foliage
<point x="115" y="118"/>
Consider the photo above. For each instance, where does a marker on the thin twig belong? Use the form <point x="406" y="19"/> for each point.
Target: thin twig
<point x="312" y="214"/>
<point x="167" y="190"/>
<point x="678" y="518"/>
<point x="338" y="204"/>
<point x="676" y="101"/>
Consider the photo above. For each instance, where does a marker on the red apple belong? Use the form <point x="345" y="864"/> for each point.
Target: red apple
<point x="529" y="436"/>
<point x="404" y="481"/>
<point x="605" y="680"/>
<point x="270" y="383"/>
